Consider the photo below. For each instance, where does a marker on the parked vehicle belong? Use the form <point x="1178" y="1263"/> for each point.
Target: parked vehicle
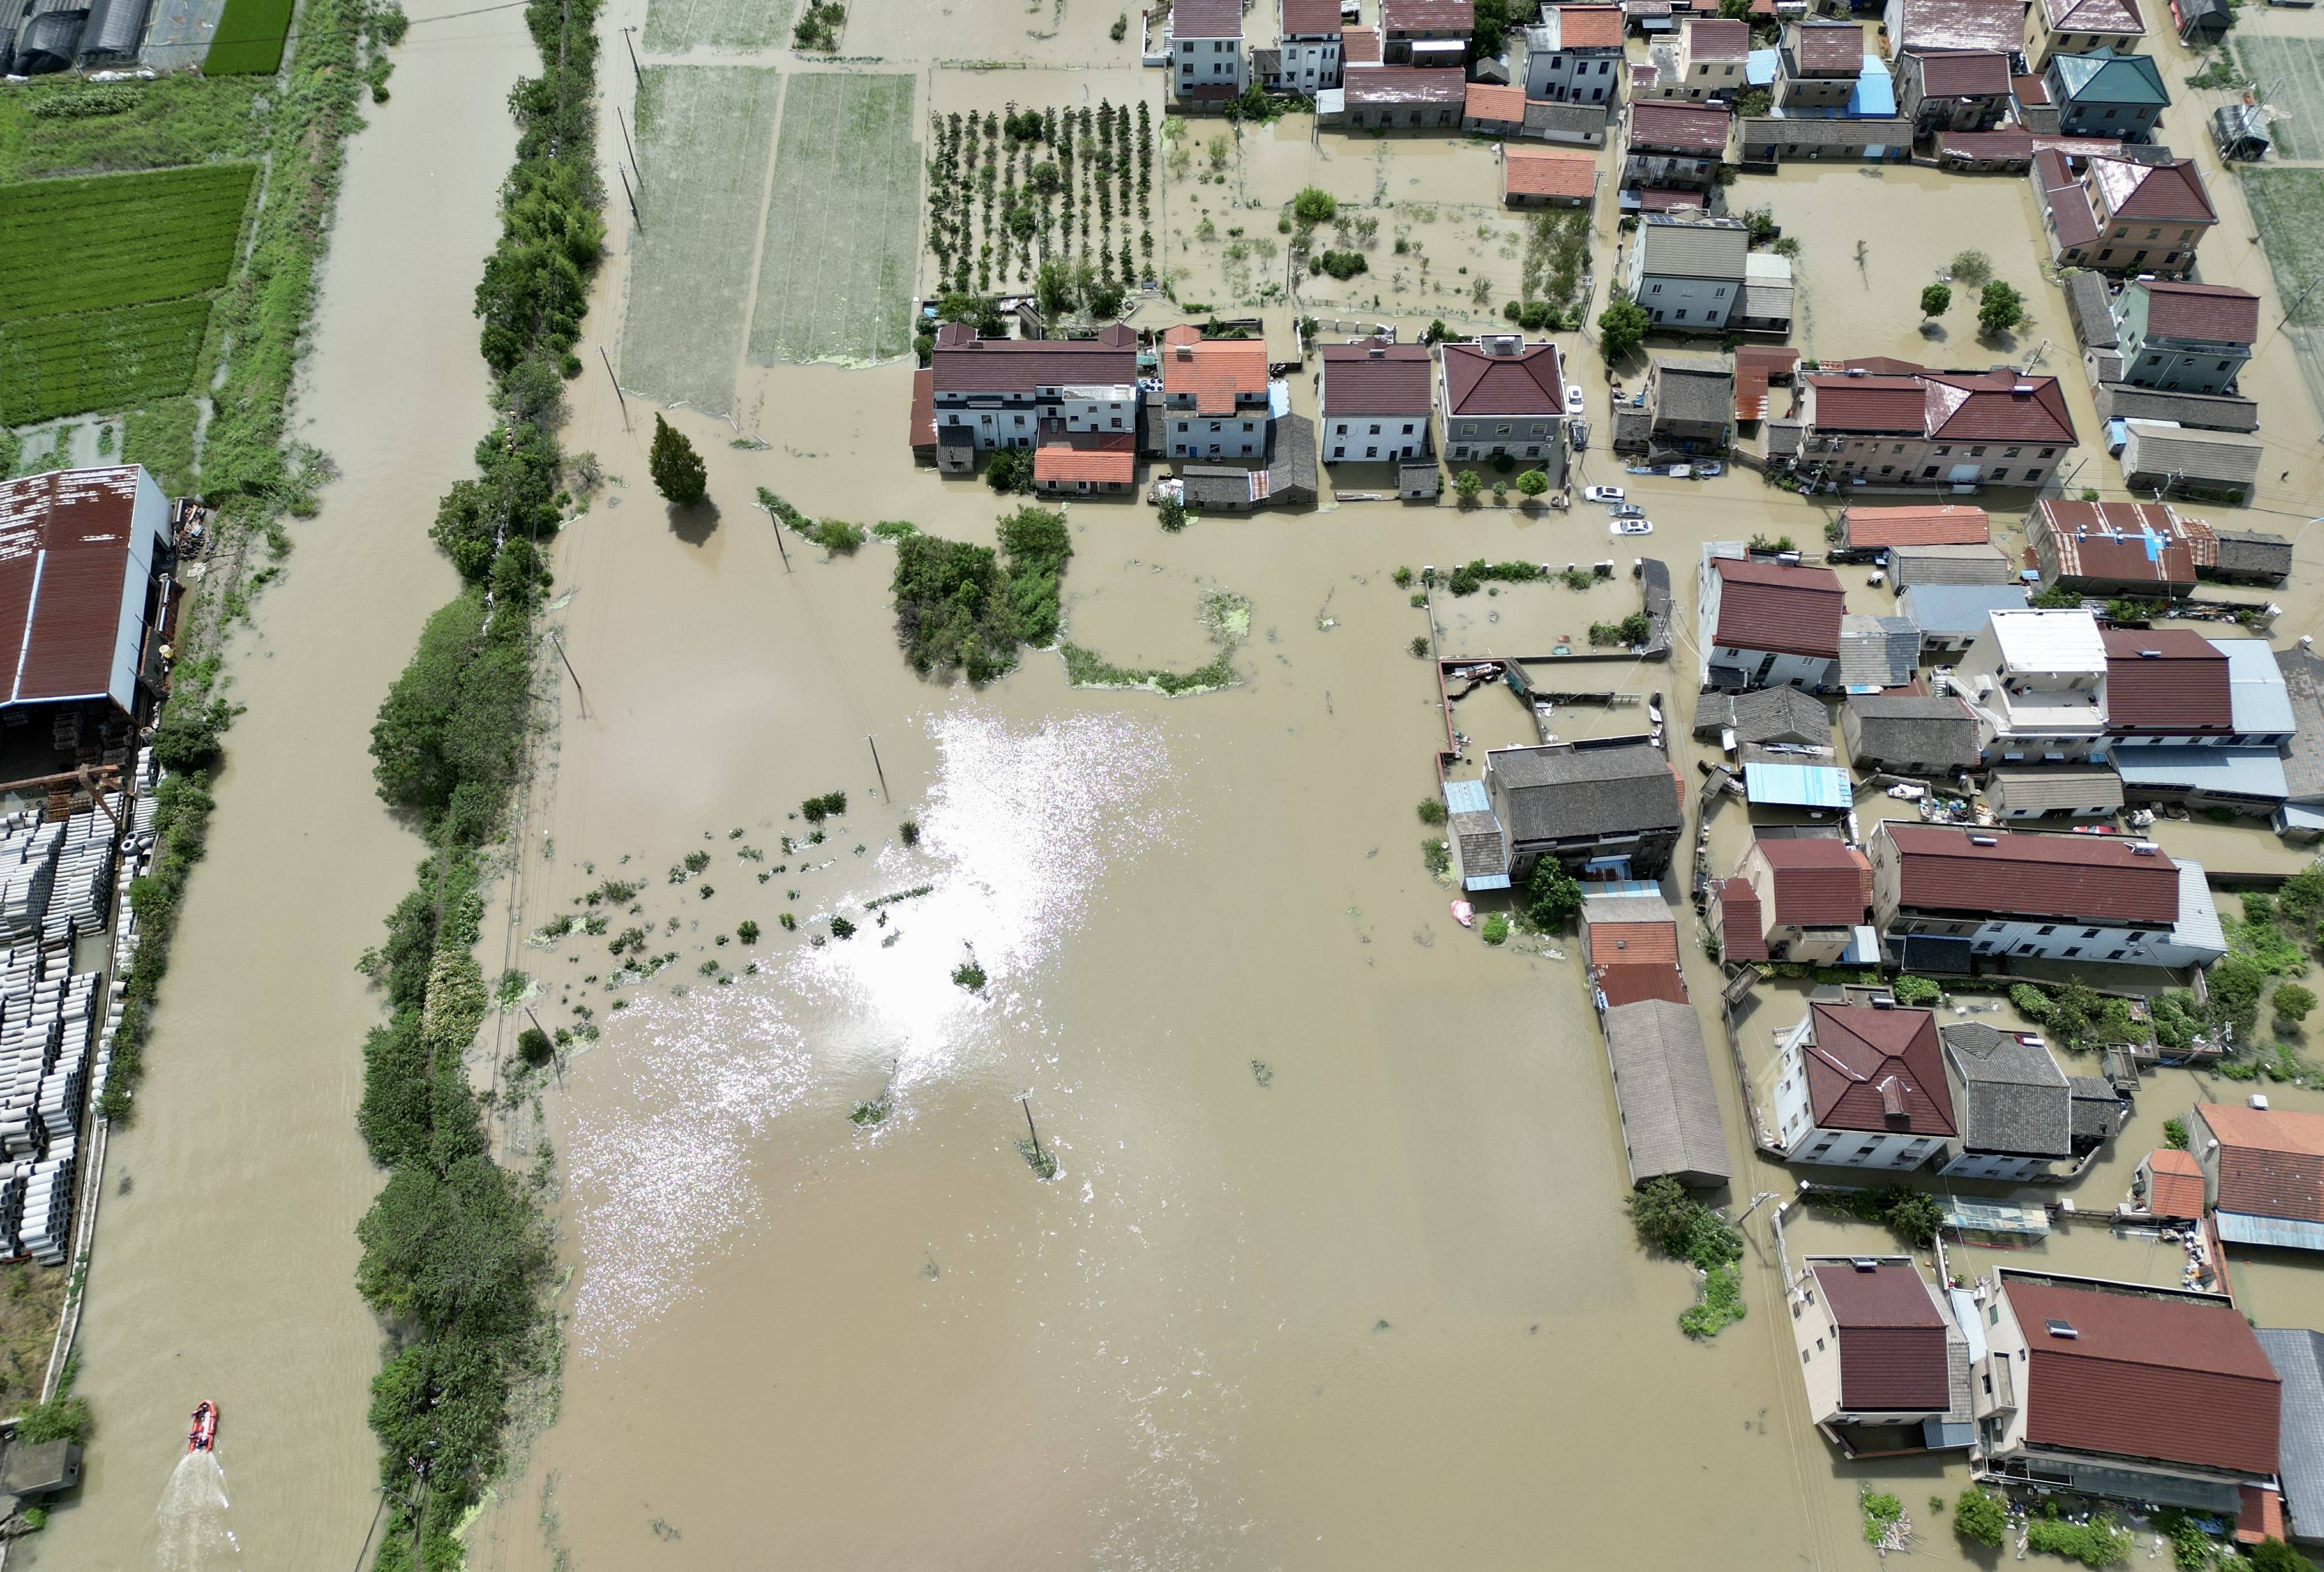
<point x="1573" y="397"/>
<point x="1628" y="510"/>
<point x="1581" y="430"/>
<point x="1631" y="527"/>
<point x="1603" y="493"/>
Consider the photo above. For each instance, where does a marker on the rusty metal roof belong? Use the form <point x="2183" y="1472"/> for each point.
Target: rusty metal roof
<point x="72" y="584"/>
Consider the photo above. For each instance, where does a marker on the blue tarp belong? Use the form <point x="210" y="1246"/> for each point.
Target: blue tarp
<point x="1874" y="97"/>
<point x="2236" y="772"/>
<point x="1799" y="786"/>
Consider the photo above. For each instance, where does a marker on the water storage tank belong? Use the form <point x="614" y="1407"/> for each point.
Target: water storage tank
<point x="48" y="41"/>
<point x="115" y="29"/>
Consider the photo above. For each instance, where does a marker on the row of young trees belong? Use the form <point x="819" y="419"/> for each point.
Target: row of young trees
<point x="1009" y="195"/>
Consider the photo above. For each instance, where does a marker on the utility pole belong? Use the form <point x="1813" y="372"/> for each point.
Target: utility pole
<point x="632" y="147"/>
<point x="554" y="1057"/>
<point x="638" y="217"/>
<point x="617" y="385"/>
<point x="577" y="688"/>
<point x="874" y="747"/>
<point x="786" y="550"/>
<point x="1026" y="1102"/>
<point x="636" y="69"/>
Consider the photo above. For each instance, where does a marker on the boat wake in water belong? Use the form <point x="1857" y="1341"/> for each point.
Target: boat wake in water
<point x="189" y="1527"/>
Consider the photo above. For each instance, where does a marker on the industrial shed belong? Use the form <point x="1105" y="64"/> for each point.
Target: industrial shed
<point x="1661" y="1083"/>
<point x="78" y="551"/>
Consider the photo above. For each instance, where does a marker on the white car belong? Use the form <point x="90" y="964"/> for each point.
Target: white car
<point x="1603" y="493"/>
<point x="1632" y="526"/>
<point x="1573" y="397"/>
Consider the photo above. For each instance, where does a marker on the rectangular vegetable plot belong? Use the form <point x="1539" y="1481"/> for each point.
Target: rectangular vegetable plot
<point x="843" y="230"/>
<point x="118" y="240"/>
<point x="249" y="39"/>
<point x="100" y="360"/>
<point x="704" y="133"/>
<point x="673" y="26"/>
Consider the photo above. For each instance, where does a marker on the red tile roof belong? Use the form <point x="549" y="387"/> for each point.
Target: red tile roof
<point x="1308" y="18"/>
<point x="1892" y="1340"/>
<point x="1877" y="1070"/>
<point x="1755" y="365"/>
<point x="1818" y="883"/>
<point x="1428" y="16"/>
<point x="1213" y="371"/>
<point x="2260" y="1517"/>
<point x="1716" y="38"/>
<point x="1950" y="524"/>
<point x="1741" y="936"/>
<point x="1376" y="378"/>
<point x="2118" y="16"/>
<point x="2029" y="89"/>
<point x="1113" y="457"/>
<point x="1625" y="982"/>
<point x="1611" y="943"/>
<point x="1359" y="46"/>
<point x="2063" y="199"/>
<point x="1680" y="127"/>
<point x="1828" y="48"/>
<point x="2175" y="1188"/>
<point x="1406" y="85"/>
<point x="1964" y="73"/>
<point x="924" y="408"/>
<point x="1532" y="383"/>
<point x="1787" y="610"/>
<point x="2179" y="1380"/>
<point x="1941" y="868"/>
<point x="1539" y="172"/>
<point x="1874" y="404"/>
<point x="2209" y="311"/>
<point x="1589" y="27"/>
<point x="1488" y="101"/>
<point x="2171" y="190"/>
<point x="1663" y="200"/>
<point x="1206" y="19"/>
<point x="2165" y="680"/>
<point x="1933" y="24"/>
<point x="2270" y="1161"/>
<point x="965" y="363"/>
<point x="2001" y="406"/>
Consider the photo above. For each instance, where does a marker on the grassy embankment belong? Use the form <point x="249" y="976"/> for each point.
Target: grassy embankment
<point x="457" y="1257"/>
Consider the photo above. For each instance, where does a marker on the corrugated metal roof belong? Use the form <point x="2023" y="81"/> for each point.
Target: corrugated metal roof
<point x="2255" y="688"/>
<point x="2296" y="1356"/>
<point x="1466" y="797"/>
<point x="1803" y="786"/>
<point x="2278" y="1233"/>
<point x="2241" y="772"/>
<point x="1955" y="609"/>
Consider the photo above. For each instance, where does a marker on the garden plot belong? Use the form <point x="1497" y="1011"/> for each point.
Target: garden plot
<point x="118" y="240"/>
<point x="100" y="360"/>
<point x="2287" y="208"/>
<point x="705" y="134"/>
<point x="675" y="27"/>
<point x="2293" y="70"/>
<point x="842" y="229"/>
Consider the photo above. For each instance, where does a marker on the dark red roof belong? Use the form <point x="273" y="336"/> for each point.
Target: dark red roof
<point x="1942" y="869"/>
<point x="1717" y="38"/>
<point x="1819" y="883"/>
<point x="2180" y="1380"/>
<point x="924" y="408"/>
<point x="2063" y="199"/>
<point x="1308" y="18"/>
<point x="1828" y="48"/>
<point x="1741" y="936"/>
<point x="1877" y="1070"/>
<point x="1787" y="611"/>
<point x="2132" y="190"/>
<point x="2165" y="680"/>
<point x="1428" y="16"/>
<point x="1625" y="982"/>
<point x="965" y="363"/>
<point x="1206" y="19"/>
<point x="68" y="552"/>
<point x="1964" y="73"/>
<point x="1892" y="1340"/>
<point x="1376" y="378"/>
<point x="2270" y="1161"/>
<point x="2216" y="312"/>
<point x="2029" y="89"/>
<point x="1680" y="127"/>
<point x="1477" y="382"/>
<point x="1883" y="404"/>
<point x="1998" y="406"/>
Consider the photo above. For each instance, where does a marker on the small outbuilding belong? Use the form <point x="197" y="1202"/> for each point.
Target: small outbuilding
<point x="1669" y="1107"/>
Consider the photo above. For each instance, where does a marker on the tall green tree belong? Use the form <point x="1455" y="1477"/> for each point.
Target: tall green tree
<point x="1936" y="299"/>
<point x="1621" y="328"/>
<point x="679" y="473"/>
<point x="1999" y="308"/>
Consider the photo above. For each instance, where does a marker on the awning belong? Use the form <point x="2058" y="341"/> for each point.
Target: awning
<point x="1799" y="785"/>
<point x="2280" y="1233"/>
<point x="1863" y="947"/>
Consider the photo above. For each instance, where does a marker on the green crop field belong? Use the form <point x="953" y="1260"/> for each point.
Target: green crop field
<point x="2291" y="70"/>
<point x="100" y="360"/>
<point x="704" y="133"/>
<point x="842" y="229"/>
<point x="249" y="39"/>
<point x="2287" y="208"/>
<point x="63" y="125"/>
<point x="118" y="240"/>
<point x="674" y="26"/>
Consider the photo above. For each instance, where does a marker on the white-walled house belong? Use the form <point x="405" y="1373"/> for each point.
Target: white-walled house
<point x="1207" y="62"/>
<point x="1309" y="50"/>
<point x="1575" y="55"/>
<point x="1878" y="1354"/>
<point x="2036" y="681"/>
<point x="1860" y="1087"/>
<point x="1374" y="401"/>
<point x="1501" y="396"/>
<point x="1688" y="273"/>
<point x="999" y="391"/>
<point x="2011" y="1100"/>
<point x="1767" y="624"/>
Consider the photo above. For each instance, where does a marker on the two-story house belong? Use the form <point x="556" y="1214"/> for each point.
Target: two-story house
<point x="1426" y="33"/>
<point x="2141" y="549"/>
<point x="2122" y="1391"/>
<point x="2035" y="680"/>
<point x="2165" y="687"/>
<point x="1858" y="1086"/>
<point x="2195" y="721"/>
<point x="1575" y="55"/>
<point x="1308" y="52"/>
<point x="1942" y="429"/>
<point x="1373" y="401"/>
<point x="2123" y="215"/>
<point x="1675" y="147"/>
<point x="1214" y="395"/>
<point x="1883" y="1363"/>
<point x="1688" y="272"/>
<point x="1208" y="66"/>
<point x="1605" y="808"/>
<point x="1818" y="66"/>
<point x="2092" y="898"/>
<point x="1915" y="26"/>
<point x="1502" y="397"/>
<point x="1707" y="61"/>
<point x="2011" y="1102"/>
<point x="2075" y="26"/>
<point x="2105" y="94"/>
<point x="1953" y="90"/>
<point x="2184" y="338"/>
<point x="1001" y="392"/>
<point x="1767" y="624"/>
<point x="1809" y="893"/>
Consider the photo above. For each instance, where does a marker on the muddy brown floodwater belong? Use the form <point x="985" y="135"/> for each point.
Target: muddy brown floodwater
<point x="225" y="1262"/>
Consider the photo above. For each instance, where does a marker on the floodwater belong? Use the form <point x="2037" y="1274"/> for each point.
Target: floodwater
<point x="224" y="1261"/>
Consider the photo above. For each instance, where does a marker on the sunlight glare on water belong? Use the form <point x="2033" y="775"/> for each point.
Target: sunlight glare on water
<point x="1020" y="823"/>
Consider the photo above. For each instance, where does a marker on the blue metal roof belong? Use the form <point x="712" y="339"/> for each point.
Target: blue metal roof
<point x="1466" y="797"/>
<point x="1799" y="786"/>
<point x="1759" y="67"/>
<point x="2241" y="772"/>
<point x="1958" y="608"/>
<point x="1863" y="946"/>
<point x="2282" y="1232"/>
<point x="2293" y="816"/>
<point x="1487" y="881"/>
<point x="2255" y="688"/>
<point x="1874" y="97"/>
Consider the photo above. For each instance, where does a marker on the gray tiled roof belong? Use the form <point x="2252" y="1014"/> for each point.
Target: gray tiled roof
<point x="1915" y="729"/>
<point x="2298" y="1356"/>
<point x="1878" y="652"/>
<point x="2209" y="411"/>
<point x="2012" y="1095"/>
<point x="1696" y="388"/>
<point x="1950" y="564"/>
<point x="1662" y="1080"/>
<point x="2097" y="1110"/>
<point x="2303" y="763"/>
<point x="1695" y="248"/>
<point x="2086" y="294"/>
<point x="2046" y="789"/>
<point x="2252" y="551"/>
<point x="1783" y="715"/>
<point x="1596" y="791"/>
<point x="2222" y="458"/>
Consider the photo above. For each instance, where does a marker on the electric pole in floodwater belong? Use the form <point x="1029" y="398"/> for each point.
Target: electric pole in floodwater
<point x="778" y="523"/>
<point x="636" y="69"/>
<point x="874" y="747"/>
<point x="1026" y="1102"/>
<point x="577" y="688"/>
<point x="632" y="146"/>
<point x="636" y="217"/>
<point x="617" y="385"/>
